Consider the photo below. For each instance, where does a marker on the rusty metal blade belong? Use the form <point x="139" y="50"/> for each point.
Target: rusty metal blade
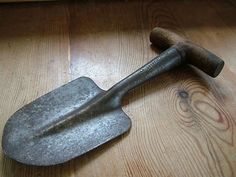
<point x="53" y="129"/>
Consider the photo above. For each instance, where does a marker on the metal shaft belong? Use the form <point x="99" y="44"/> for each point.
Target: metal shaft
<point x="167" y="60"/>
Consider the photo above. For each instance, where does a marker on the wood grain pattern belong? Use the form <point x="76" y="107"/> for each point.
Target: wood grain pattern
<point x="183" y="121"/>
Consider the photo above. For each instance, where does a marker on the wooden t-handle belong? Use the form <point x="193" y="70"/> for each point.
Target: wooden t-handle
<point x="194" y="54"/>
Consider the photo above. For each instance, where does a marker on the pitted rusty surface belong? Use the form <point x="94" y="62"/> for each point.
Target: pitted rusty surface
<point x="25" y="139"/>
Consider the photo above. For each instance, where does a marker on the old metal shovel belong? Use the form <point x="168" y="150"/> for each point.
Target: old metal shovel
<point x="79" y="116"/>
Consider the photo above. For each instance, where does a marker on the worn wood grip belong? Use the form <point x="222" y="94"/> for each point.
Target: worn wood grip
<point x="194" y="54"/>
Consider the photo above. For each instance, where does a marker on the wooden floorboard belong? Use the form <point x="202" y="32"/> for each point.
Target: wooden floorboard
<point x="183" y="122"/>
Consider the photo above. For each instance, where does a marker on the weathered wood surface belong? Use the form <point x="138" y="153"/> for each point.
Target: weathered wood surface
<point x="183" y="121"/>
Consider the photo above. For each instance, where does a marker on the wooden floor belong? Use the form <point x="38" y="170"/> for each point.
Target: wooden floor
<point x="45" y="45"/>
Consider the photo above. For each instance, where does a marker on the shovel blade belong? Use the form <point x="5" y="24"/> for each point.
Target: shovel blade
<point x="20" y="137"/>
